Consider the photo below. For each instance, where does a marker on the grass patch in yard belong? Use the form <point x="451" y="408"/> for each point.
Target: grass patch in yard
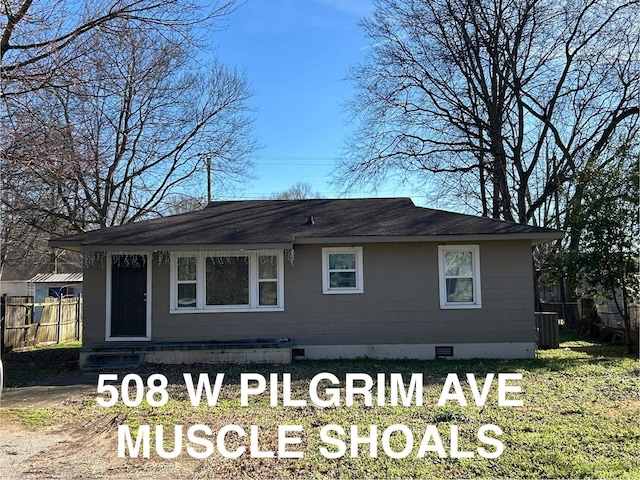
<point x="33" y="418"/>
<point x="27" y="366"/>
<point x="580" y="418"/>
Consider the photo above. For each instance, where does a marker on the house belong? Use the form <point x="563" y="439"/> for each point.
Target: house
<point x="19" y="276"/>
<point x="13" y="281"/>
<point x="53" y="285"/>
<point x="317" y="278"/>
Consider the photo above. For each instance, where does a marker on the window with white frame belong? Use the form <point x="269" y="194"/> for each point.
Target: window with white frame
<point x="342" y="270"/>
<point x="459" y="272"/>
<point x="243" y="281"/>
<point x="186" y="283"/>
<point x="267" y="280"/>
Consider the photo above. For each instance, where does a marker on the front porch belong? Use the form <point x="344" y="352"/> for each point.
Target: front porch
<point x="134" y="354"/>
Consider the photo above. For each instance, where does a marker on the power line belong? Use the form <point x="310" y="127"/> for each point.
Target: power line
<point x="293" y="157"/>
<point x="288" y="164"/>
<point x="261" y="195"/>
<point x="281" y="160"/>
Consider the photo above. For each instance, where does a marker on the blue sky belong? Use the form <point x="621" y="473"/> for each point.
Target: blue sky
<point x="296" y="54"/>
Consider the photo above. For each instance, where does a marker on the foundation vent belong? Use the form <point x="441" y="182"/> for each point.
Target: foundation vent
<point x="444" y="351"/>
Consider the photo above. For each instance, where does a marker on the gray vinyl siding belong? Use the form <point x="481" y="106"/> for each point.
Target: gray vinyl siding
<point x="94" y="304"/>
<point x="400" y="303"/>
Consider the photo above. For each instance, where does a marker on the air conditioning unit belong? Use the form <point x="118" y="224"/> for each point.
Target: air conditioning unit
<point x="548" y="331"/>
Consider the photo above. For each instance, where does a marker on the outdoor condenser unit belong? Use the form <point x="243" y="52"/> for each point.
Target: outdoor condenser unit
<point x="547" y="329"/>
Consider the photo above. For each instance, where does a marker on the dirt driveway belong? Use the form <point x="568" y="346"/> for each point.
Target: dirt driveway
<point x="50" y="452"/>
<point x="75" y="451"/>
<point x="35" y="445"/>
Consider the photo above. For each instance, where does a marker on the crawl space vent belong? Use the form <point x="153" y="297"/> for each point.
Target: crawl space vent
<point x="444" y="351"/>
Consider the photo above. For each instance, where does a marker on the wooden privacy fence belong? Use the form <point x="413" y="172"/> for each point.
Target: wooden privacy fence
<point x="569" y="312"/>
<point x="60" y="321"/>
<point x="610" y="322"/>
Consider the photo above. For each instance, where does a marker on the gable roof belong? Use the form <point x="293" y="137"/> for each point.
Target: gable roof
<point x="283" y="223"/>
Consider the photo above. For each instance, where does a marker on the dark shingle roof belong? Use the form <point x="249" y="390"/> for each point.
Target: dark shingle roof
<point x="288" y="221"/>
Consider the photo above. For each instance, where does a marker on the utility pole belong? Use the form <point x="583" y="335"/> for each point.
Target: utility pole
<point x="207" y="162"/>
<point x="208" y="159"/>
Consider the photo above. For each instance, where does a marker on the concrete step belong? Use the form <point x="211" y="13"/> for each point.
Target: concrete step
<point x="105" y="361"/>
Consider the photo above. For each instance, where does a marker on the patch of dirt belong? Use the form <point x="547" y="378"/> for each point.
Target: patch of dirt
<point x="74" y="447"/>
<point x="624" y="408"/>
<point x="73" y="451"/>
<point x="19" y="450"/>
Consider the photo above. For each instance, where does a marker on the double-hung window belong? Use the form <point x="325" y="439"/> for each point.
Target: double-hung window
<point x="186" y="282"/>
<point x="219" y="282"/>
<point x="342" y="270"/>
<point x="459" y="275"/>
<point x="267" y="280"/>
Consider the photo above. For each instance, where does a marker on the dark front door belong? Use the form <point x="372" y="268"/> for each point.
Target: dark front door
<point x="128" y="296"/>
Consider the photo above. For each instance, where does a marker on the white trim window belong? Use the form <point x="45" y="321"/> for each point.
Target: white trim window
<point x="187" y="281"/>
<point x="459" y="274"/>
<point x="227" y="282"/>
<point x="342" y="270"/>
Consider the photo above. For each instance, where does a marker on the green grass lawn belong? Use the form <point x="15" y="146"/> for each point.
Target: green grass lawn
<point x="579" y="419"/>
<point x="29" y="365"/>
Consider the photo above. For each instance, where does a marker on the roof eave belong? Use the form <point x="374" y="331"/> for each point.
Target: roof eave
<point x="73" y="246"/>
<point x="169" y="247"/>
<point x="545" y="238"/>
<point x="535" y="237"/>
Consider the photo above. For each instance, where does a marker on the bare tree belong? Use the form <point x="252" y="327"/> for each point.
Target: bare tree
<point x="183" y="203"/>
<point x="110" y="150"/>
<point x="498" y="102"/>
<point x="24" y="233"/>
<point x="41" y="40"/>
<point x="299" y="191"/>
<point x="106" y="108"/>
<point x="24" y="248"/>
